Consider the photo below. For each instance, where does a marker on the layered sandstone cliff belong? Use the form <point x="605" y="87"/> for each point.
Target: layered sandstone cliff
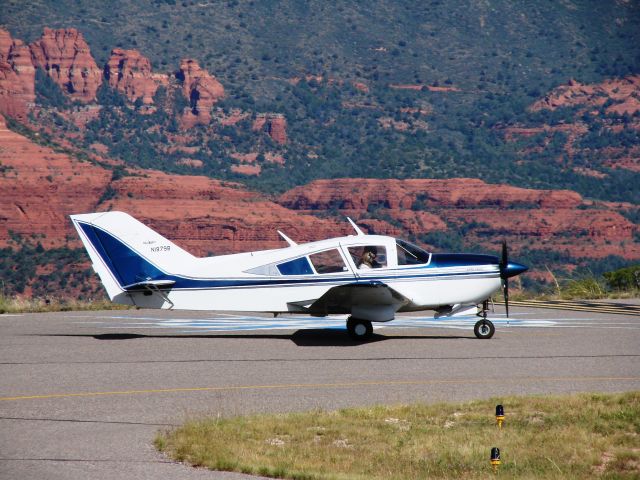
<point x="65" y="56"/>
<point x="273" y="124"/>
<point x="201" y="89"/>
<point x="40" y="187"/>
<point x="360" y="194"/>
<point x="17" y="77"/>
<point x="130" y="73"/>
<point x="537" y="219"/>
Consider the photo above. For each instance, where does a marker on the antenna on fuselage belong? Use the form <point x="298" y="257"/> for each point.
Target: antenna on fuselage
<point x="287" y="239"/>
<point x="357" y="229"/>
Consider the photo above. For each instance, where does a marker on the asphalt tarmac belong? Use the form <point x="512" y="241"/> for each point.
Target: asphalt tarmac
<point x="82" y="394"/>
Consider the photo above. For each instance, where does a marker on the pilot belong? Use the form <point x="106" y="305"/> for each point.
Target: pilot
<point x="368" y="258"/>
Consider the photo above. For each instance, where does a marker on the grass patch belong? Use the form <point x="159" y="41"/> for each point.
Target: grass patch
<point x="574" y="292"/>
<point x="33" y="305"/>
<point x="577" y="436"/>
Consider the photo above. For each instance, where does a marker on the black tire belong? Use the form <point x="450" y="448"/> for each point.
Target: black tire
<point x="484" y="329"/>
<point x="359" y="329"/>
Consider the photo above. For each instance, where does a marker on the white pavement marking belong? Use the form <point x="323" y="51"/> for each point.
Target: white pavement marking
<point x="244" y="323"/>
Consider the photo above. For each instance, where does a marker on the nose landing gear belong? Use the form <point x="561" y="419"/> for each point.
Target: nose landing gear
<point x="484" y="328"/>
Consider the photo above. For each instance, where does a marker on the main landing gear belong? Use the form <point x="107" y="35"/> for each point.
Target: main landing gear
<point x="359" y="329"/>
<point x="484" y="328"/>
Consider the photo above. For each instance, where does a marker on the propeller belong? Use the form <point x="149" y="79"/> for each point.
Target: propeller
<point x="504" y="265"/>
<point x="507" y="270"/>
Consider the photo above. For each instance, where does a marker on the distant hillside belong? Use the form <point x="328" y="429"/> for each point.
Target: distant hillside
<point x="502" y="46"/>
<point x="388" y="89"/>
<point x="42" y="183"/>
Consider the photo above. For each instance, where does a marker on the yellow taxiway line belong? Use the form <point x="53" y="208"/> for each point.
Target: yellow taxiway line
<point x="232" y="388"/>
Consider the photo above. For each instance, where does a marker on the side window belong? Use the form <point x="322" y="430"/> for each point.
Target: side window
<point x="328" y="261"/>
<point x="299" y="266"/>
<point x="410" y="254"/>
<point x="369" y="256"/>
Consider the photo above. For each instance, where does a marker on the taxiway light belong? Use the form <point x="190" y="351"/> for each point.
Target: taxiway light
<point x="499" y="415"/>
<point x="495" y="458"/>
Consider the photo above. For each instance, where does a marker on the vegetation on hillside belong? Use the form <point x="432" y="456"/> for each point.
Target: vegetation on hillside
<point x="26" y="265"/>
<point x="305" y="59"/>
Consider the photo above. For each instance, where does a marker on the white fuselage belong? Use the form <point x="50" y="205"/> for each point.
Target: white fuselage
<point x="426" y="287"/>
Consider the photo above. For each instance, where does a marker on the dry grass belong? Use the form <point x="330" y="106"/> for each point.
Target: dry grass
<point x="30" y="305"/>
<point x="576" y="290"/>
<point x="579" y="436"/>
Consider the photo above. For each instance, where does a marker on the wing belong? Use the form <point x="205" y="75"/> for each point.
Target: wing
<point x="373" y="301"/>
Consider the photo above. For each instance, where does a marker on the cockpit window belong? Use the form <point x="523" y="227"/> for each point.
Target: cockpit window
<point x="410" y="254"/>
<point x="369" y="256"/>
<point x="328" y="261"/>
<point x="299" y="266"/>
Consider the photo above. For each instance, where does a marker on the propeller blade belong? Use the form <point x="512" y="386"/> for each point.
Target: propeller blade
<point x="504" y="264"/>
<point x="505" y="292"/>
<point x="504" y="261"/>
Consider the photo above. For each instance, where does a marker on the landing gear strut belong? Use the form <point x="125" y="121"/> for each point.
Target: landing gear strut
<point x="484" y="328"/>
<point x="359" y="329"/>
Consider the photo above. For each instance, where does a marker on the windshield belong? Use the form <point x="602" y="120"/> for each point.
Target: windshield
<point x="410" y="254"/>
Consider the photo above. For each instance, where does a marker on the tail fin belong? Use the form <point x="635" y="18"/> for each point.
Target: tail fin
<point x="127" y="254"/>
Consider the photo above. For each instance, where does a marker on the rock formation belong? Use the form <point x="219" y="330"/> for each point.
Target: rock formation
<point x="201" y="89"/>
<point x="130" y="73"/>
<point x="274" y="124"/>
<point x="623" y="94"/>
<point x="360" y="194"/>
<point x="17" y="77"/>
<point x="40" y="187"/>
<point x="544" y="219"/>
<point x="65" y="56"/>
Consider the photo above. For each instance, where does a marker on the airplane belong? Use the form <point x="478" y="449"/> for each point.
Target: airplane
<point x="368" y="277"/>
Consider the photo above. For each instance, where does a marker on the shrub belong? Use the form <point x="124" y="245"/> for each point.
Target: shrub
<point x="624" y="278"/>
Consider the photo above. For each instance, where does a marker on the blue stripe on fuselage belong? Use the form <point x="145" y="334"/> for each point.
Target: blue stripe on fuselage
<point x="130" y="267"/>
<point x="446" y="260"/>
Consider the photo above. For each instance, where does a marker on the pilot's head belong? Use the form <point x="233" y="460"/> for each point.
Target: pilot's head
<point x="369" y="255"/>
<point x="371" y="250"/>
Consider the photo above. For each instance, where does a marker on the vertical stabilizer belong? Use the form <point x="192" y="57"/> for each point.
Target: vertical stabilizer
<point x="125" y="252"/>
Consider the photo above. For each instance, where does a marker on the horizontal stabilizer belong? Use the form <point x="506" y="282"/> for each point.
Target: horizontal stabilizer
<point x="149" y="284"/>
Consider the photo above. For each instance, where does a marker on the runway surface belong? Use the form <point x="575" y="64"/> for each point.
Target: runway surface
<point x="82" y="394"/>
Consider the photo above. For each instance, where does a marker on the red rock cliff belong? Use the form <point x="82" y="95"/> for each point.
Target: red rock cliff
<point x="201" y="89"/>
<point x="622" y="93"/>
<point x="130" y="73"/>
<point x="40" y="187"/>
<point x="274" y="124"/>
<point x="17" y="77"/>
<point x="354" y="193"/>
<point x="542" y="219"/>
<point x="65" y="56"/>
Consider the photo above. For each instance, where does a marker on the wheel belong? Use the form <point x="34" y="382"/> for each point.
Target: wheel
<point x="359" y="329"/>
<point x="484" y="329"/>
